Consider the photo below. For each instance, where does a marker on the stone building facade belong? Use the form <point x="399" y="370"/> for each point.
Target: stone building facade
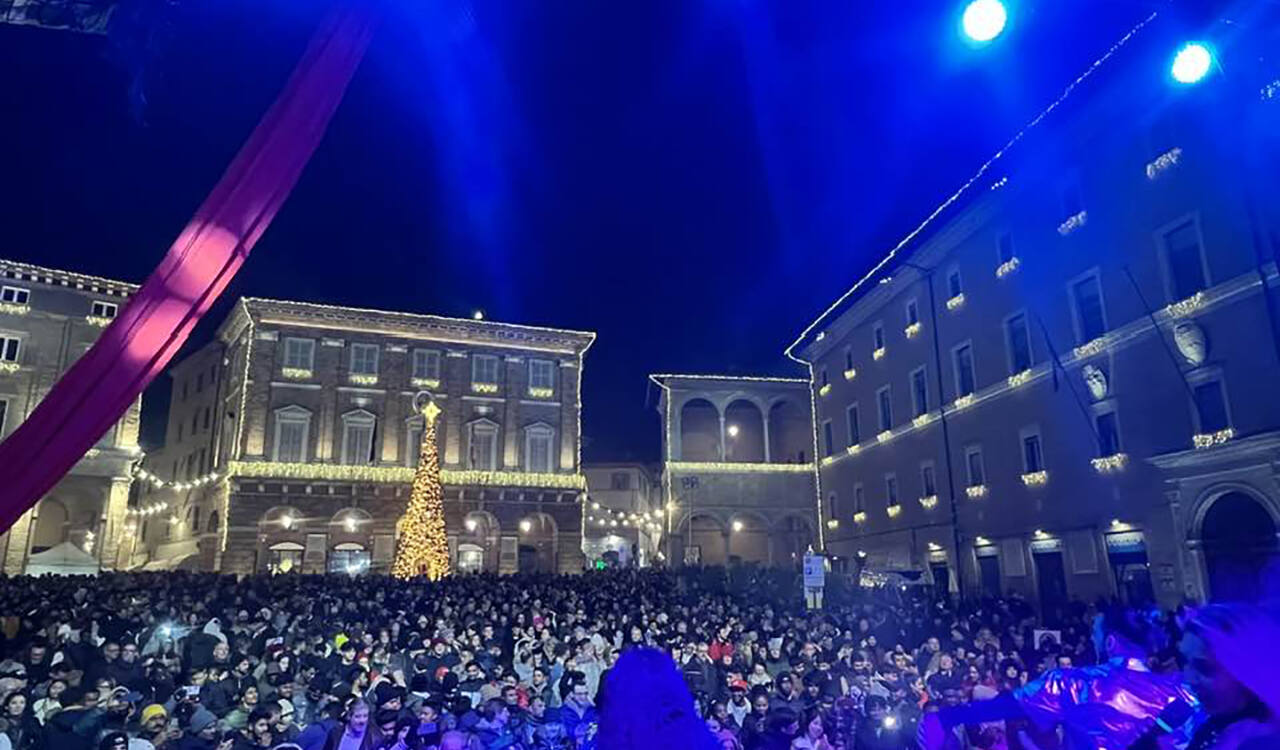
<point x="738" y="473"/>
<point x="1065" y="388"/>
<point x="48" y="319"/>
<point x="292" y="441"/>
<point x="624" y="516"/>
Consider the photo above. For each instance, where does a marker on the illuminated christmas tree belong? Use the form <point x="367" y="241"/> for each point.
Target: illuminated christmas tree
<point x="423" y="548"/>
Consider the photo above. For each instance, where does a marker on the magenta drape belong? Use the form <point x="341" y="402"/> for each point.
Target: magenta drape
<point x="95" y="392"/>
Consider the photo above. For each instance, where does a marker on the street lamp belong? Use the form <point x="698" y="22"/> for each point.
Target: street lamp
<point x="733" y="430"/>
<point x="983" y="20"/>
<point x="737" y="525"/>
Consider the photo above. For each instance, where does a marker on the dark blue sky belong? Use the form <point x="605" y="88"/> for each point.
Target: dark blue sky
<point x="695" y="180"/>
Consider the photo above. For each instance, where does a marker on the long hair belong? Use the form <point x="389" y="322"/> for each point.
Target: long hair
<point x="649" y="706"/>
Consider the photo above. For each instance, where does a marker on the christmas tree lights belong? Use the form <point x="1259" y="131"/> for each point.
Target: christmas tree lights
<point x="423" y="548"/>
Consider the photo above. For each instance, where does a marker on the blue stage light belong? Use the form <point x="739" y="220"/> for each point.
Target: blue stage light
<point x="983" y="20"/>
<point x="1192" y="63"/>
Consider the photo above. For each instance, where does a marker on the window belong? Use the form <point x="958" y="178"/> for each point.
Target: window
<point x="877" y="336"/>
<point x="620" y="480"/>
<point x="928" y="481"/>
<point x="542" y="374"/>
<point x="10" y="347"/>
<point x="184" y="390"/>
<point x="825" y="381"/>
<point x="890" y="489"/>
<point x="1018" y="338"/>
<point x="1004" y="247"/>
<point x="1182" y="253"/>
<point x="484" y="369"/>
<point x="1108" y="433"/>
<point x="104" y="309"/>
<point x="364" y="359"/>
<point x="299" y="353"/>
<point x="482" y="452"/>
<point x="859" y="498"/>
<point x="538" y="440"/>
<point x="919" y="392"/>
<point x="1032" y="454"/>
<point x="913" y="312"/>
<point x="204" y="462"/>
<point x="357" y="436"/>
<point x="828" y="444"/>
<point x="1211" y="406"/>
<point x="848" y="359"/>
<point x="413" y="440"/>
<point x="977" y="473"/>
<point x="954" y="288"/>
<point x="195" y="423"/>
<point x="962" y="358"/>
<point x="15" y="295"/>
<point x="1072" y="202"/>
<point x="1086" y="298"/>
<point x="205" y="419"/>
<point x="884" y="401"/>
<point x="179" y="431"/>
<point x="4" y="410"/>
<point x="199" y="382"/>
<point x="426" y="364"/>
<point x="293" y="430"/>
<point x="855" y="429"/>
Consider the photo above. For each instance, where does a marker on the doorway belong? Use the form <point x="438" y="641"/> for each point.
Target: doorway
<point x="1238" y="538"/>
<point x="1051" y="578"/>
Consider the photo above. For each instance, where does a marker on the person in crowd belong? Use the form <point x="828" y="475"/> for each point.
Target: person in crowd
<point x="1239" y="690"/>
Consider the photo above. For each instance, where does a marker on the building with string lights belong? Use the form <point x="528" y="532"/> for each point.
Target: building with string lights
<point x="624" y="517"/>
<point x="48" y="319"/>
<point x="737" y="472"/>
<point x="292" y="442"/>
<point x="1063" y="386"/>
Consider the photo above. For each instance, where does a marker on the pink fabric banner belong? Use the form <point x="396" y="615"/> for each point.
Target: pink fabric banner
<point x="95" y="392"/>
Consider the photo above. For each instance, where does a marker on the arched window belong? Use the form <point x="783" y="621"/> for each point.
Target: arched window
<point x="357" y="437"/>
<point x="482" y="445"/>
<point x="413" y="427"/>
<point x="539" y="440"/>
<point x="292" y="435"/>
<point x="213" y="521"/>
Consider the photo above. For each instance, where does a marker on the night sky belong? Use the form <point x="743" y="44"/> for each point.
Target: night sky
<point x="695" y="180"/>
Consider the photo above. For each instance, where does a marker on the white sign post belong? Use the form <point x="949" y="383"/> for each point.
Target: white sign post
<point x="815" y="579"/>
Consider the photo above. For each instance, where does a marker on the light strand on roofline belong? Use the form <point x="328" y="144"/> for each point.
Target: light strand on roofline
<point x="982" y="170"/>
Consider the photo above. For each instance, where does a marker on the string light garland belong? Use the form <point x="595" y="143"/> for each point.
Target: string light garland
<point x="1185" y="307"/>
<point x="894" y="510"/>
<point x="1072" y="223"/>
<point x="1035" y="478"/>
<point x="359" y="379"/>
<point x="484" y="387"/>
<point x="1110" y="464"/>
<point x="1007" y="267"/>
<point x="1210" y="439"/>
<point x="431" y="383"/>
<point x="733" y="467"/>
<point x="976" y="490"/>
<point x="9" y="367"/>
<point x="423" y="547"/>
<point x="850" y="374"/>
<point x="913" y="330"/>
<point x="98" y="321"/>
<point x="956" y="302"/>
<point x="9" y="308"/>
<point x="928" y="501"/>
<point x="1162" y="162"/>
<point x="143" y="475"/>
<point x="878" y="354"/>
<point x="825" y="390"/>
<point x="541" y="392"/>
<point x="403" y="475"/>
<point x="296" y="373"/>
<point x="1089" y="349"/>
<point x="1019" y="378"/>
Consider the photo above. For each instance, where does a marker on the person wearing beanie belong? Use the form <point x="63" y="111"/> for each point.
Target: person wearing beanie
<point x="201" y="732"/>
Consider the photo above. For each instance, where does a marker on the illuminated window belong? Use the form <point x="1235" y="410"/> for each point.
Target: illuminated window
<point x="928" y="482"/>
<point x="877" y="336"/>
<point x="299" y="353"/>
<point x="1032" y="451"/>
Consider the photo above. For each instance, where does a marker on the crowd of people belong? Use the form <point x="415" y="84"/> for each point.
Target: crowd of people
<point x="185" y="661"/>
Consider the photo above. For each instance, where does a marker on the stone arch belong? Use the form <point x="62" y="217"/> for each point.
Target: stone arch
<point x="744" y="438"/>
<point x="1235" y="532"/>
<point x="700" y="537"/>
<point x="280" y="527"/>
<point x="748" y="540"/>
<point x="53" y="525"/>
<point x="284" y="518"/>
<point x="790" y="432"/>
<point x="351" y="521"/>
<point x="699" y="431"/>
<point x="538" y="542"/>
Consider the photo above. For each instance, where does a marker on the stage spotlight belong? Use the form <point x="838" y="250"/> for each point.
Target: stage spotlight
<point x="1192" y="63"/>
<point x="983" y="20"/>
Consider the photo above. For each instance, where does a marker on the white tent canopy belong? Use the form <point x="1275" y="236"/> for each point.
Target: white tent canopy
<point x="66" y="559"/>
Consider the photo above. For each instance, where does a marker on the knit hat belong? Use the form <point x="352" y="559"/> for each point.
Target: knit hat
<point x="201" y="719"/>
<point x="152" y="711"/>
